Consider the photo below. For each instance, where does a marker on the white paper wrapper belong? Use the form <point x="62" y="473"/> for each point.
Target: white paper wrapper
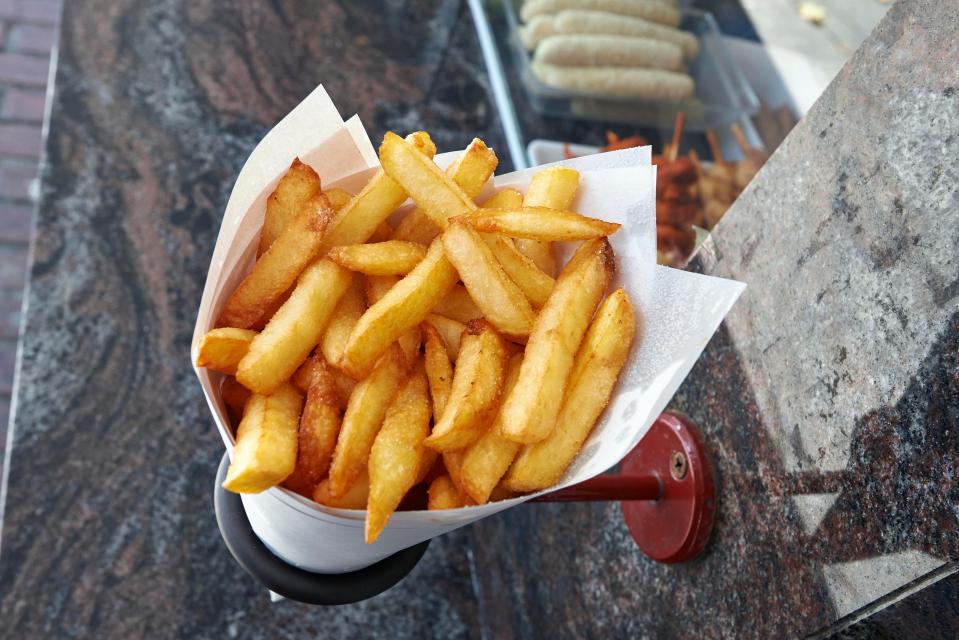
<point x="679" y="312"/>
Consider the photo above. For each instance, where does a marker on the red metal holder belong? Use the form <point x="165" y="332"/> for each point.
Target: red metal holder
<point x="666" y="489"/>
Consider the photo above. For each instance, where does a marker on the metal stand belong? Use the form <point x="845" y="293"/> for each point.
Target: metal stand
<point x="665" y="486"/>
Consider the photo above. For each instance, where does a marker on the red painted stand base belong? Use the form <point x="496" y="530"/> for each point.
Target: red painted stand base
<point x="667" y="488"/>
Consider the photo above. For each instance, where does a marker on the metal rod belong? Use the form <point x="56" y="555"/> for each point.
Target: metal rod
<point x="607" y="489"/>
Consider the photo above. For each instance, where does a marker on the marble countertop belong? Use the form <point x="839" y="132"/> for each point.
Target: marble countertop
<point x="829" y="398"/>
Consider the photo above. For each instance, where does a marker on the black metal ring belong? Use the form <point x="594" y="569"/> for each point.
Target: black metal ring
<point x="292" y="582"/>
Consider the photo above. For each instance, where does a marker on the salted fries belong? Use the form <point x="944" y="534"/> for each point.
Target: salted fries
<point x="449" y="353"/>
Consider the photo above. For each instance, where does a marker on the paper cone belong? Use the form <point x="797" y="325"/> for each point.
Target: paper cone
<point x="678" y="311"/>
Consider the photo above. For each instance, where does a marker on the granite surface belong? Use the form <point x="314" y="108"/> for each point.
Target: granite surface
<point x="829" y="399"/>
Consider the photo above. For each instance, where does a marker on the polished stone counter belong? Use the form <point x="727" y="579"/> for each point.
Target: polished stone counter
<point x="829" y="398"/>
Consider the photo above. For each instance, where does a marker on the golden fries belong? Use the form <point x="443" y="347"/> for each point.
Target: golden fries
<point x="265" y="451"/>
<point x="338" y="305"/>
<point x="555" y="188"/>
<point x="359" y="219"/>
<point x="485" y="462"/>
<point x="277" y="269"/>
<point x="363" y="418"/>
<point x="393" y="257"/>
<point x="597" y="366"/>
<point x="398" y="453"/>
<point x="355" y="498"/>
<point x="296" y="187"/>
<point x="498" y="297"/>
<point x="504" y="199"/>
<point x="477" y="383"/>
<point x="403" y="307"/>
<point x="316" y="436"/>
<point x="348" y="311"/>
<point x="444" y="495"/>
<point x="458" y="305"/>
<point x="527" y="415"/>
<point x="540" y="223"/>
<point x="338" y="198"/>
<point x="222" y="349"/>
<point x="234" y="397"/>
<point x="450" y="330"/>
<point x="470" y="172"/>
<point x="277" y="351"/>
<point x="439" y="369"/>
<point x="434" y="192"/>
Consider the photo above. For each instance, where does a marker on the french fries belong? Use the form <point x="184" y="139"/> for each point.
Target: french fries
<point x="348" y="339"/>
<point x="498" y="297"/>
<point x="555" y="188"/>
<point x="444" y="495"/>
<point x="439" y="369"/>
<point x="265" y="450"/>
<point x="222" y="349"/>
<point x="360" y="218"/>
<point x="277" y="269"/>
<point x="316" y="435"/>
<point x="393" y="257"/>
<point x="597" y="366"/>
<point x="450" y="330"/>
<point x="398" y="453"/>
<point x="477" y="383"/>
<point x="432" y="191"/>
<point x="277" y="351"/>
<point x="363" y="418"/>
<point x="348" y="311"/>
<point x="470" y="172"/>
<point x="403" y="307"/>
<point x="458" y="305"/>
<point x="552" y="345"/>
<point x="299" y="184"/>
<point x="540" y="223"/>
<point x="485" y="462"/>
<point x="355" y="498"/>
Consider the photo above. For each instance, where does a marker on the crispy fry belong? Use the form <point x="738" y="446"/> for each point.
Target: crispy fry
<point x="393" y="257"/>
<point x="303" y="378"/>
<point x="359" y="219"/>
<point x="382" y="233"/>
<point x="296" y="187"/>
<point x="234" y="397"/>
<point x="345" y="385"/>
<point x="277" y="269"/>
<point x="398" y="453"/>
<point x="439" y="369"/>
<point x="500" y="300"/>
<point x="540" y="223"/>
<point x="355" y="498"/>
<point x="428" y="465"/>
<point x="348" y="311"/>
<point x="222" y="349"/>
<point x="431" y="190"/>
<point x="530" y="409"/>
<point x="265" y="451"/>
<point x="477" y="383"/>
<point x="410" y="344"/>
<point x="450" y="330"/>
<point x="470" y="172"/>
<point x="554" y="188"/>
<point x="403" y="307"/>
<point x="277" y="351"/>
<point x="458" y="305"/>
<point x="338" y="198"/>
<point x="377" y="286"/>
<point x="453" y="461"/>
<point x="363" y="418"/>
<point x="597" y="366"/>
<point x="316" y="436"/>
<point x="485" y="462"/>
<point x="534" y="284"/>
<point x="444" y="495"/>
<point x="504" y="199"/>
<point x="501" y="493"/>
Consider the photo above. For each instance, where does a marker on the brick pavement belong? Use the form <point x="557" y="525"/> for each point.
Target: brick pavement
<point x="28" y="30"/>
